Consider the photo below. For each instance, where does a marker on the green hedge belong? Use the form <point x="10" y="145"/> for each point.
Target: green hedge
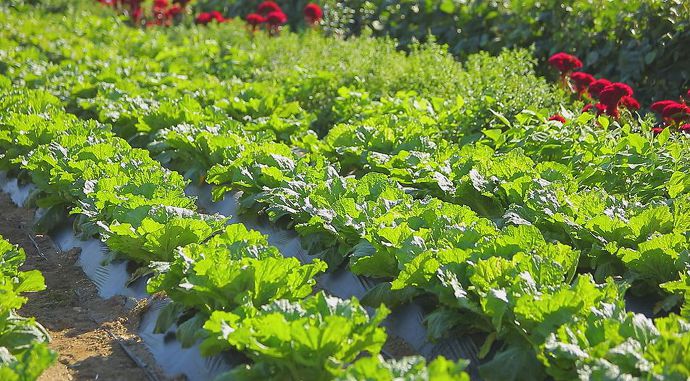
<point x="643" y="42"/>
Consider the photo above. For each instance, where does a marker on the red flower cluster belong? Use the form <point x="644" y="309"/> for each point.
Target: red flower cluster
<point x="674" y="113"/>
<point x="610" y="95"/>
<point x="270" y="14"/>
<point x="204" y="18"/>
<point x="162" y="15"/>
<point x="255" y="19"/>
<point x="630" y="103"/>
<point x="312" y="14"/>
<point x="267" y="7"/>
<point x="581" y="81"/>
<point x="162" y="12"/>
<point x="658" y="107"/>
<point x="276" y="18"/>
<point x="565" y="63"/>
<point x="596" y="86"/>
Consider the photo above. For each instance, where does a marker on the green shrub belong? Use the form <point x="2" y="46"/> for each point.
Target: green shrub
<point x="639" y="41"/>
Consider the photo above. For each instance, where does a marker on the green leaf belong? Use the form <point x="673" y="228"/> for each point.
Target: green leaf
<point x="604" y="122"/>
<point x="663" y="137"/>
<point x="316" y="338"/>
<point x="513" y="364"/>
<point x="447" y="6"/>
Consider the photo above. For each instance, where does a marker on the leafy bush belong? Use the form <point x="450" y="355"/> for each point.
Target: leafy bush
<point x="24" y="354"/>
<point x="639" y="41"/>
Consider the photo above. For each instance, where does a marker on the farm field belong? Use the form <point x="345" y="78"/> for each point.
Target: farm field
<point x="258" y="197"/>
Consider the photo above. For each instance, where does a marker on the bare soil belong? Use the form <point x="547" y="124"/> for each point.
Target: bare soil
<point x="95" y="339"/>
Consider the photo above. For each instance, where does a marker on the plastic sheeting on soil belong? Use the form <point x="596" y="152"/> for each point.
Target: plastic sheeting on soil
<point x="111" y="279"/>
<point x="19" y="193"/>
<point x="170" y="355"/>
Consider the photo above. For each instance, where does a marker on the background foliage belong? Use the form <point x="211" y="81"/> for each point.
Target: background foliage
<point x="639" y="41"/>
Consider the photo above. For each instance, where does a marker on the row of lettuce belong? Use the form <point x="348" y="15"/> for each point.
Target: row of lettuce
<point x="219" y="276"/>
<point x="89" y="167"/>
<point x="24" y="352"/>
<point x="600" y="186"/>
<point x="426" y="246"/>
<point x="492" y="233"/>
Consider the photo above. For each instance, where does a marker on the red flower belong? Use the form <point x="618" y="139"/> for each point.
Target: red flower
<point x="160" y="4"/>
<point x="613" y="111"/>
<point x="676" y="111"/>
<point x="137" y="14"/>
<point x="255" y="19"/>
<point x="612" y="95"/>
<point x="268" y="7"/>
<point x="276" y="18"/>
<point x="581" y="81"/>
<point x="564" y="62"/>
<point x="174" y="11"/>
<point x="557" y="117"/>
<point x="203" y="18"/>
<point x="657" y="130"/>
<point x="596" y="87"/>
<point x="685" y="128"/>
<point x="595" y="108"/>
<point x="630" y="103"/>
<point x="658" y="107"/>
<point x="215" y="15"/>
<point x="313" y="13"/>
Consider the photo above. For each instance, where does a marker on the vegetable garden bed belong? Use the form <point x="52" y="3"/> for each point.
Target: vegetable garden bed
<point x="316" y="209"/>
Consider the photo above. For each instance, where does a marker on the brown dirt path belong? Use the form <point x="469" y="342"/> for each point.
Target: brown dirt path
<point x="87" y="332"/>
